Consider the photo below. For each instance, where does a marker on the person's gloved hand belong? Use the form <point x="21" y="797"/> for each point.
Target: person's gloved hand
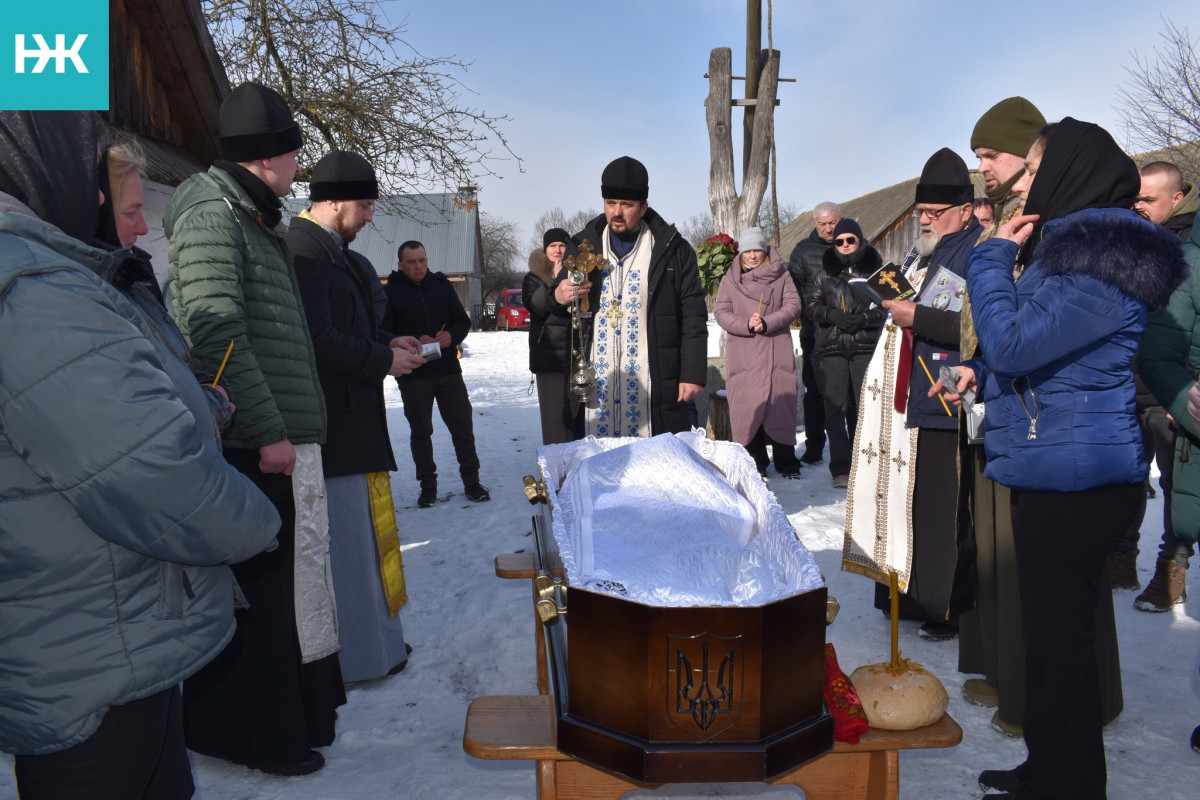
<point x="834" y="317"/>
<point x="851" y="323"/>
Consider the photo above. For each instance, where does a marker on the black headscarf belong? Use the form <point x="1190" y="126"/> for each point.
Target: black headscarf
<point x="106" y="229"/>
<point x="1082" y="167"/>
<point x="48" y="162"/>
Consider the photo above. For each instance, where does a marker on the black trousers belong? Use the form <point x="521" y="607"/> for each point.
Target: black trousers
<point x="552" y="404"/>
<point x="1063" y="540"/>
<point x="813" y="403"/>
<point x="1158" y="438"/>
<point x="256" y="703"/>
<point x="137" y="753"/>
<point x="786" y="462"/>
<point x="841" y="382"/>
<point x="450" y="394"/>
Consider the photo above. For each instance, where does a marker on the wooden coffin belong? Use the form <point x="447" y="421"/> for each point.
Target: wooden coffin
<point x="683" y="694"/>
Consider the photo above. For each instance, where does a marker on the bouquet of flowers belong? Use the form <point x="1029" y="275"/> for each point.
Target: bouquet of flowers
<point x="714" y="257"/>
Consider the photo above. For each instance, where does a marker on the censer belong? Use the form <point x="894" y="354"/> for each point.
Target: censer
<point x="583" y="375"/>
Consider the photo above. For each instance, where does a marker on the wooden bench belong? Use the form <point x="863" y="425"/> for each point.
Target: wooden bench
<point x="524" y="728"/>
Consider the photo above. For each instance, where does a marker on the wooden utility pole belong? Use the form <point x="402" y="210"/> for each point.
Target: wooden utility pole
<point x="754" y="65"/>
<point x="731" y="212"/>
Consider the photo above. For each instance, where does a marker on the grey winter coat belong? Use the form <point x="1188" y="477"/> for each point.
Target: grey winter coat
<point x="116" y="507"/>
<point x="761" y="367"/>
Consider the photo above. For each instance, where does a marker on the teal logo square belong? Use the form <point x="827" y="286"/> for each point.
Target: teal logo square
<point x="54" y="56"/>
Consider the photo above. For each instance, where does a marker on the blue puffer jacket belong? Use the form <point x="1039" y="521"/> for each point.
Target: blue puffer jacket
<point x="115" y="509"/>
<point x="1057" y="348"/>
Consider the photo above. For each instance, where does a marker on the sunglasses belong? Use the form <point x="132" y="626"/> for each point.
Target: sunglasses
<point x="844" y="240"/>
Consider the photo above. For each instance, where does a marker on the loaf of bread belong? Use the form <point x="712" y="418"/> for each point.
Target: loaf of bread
<point x="900" y="698"/>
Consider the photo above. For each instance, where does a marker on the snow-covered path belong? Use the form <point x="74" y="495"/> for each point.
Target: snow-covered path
<point x="471" y="632"/>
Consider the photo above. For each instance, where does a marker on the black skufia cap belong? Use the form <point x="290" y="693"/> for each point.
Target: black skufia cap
<point x="625" y="179"/>
<point x="343" y="175"/>
<point x="945" y="179"/>
<point x="257" y="123"/>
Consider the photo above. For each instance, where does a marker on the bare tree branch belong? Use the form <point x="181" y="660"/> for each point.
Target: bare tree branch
<point x="696" y="228"/>
<point x="1160" y="102"/>
<point x="555" y="218"/>
<point x="503" y="262"/>
<point x="355" y="84"/>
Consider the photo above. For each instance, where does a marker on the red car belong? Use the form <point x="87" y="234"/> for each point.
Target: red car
<point x="510" y="312"/>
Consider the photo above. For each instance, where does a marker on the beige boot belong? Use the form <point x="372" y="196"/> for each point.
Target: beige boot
<point x="1167" y="588"/>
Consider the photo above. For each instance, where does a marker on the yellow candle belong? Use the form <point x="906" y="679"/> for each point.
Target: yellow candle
<point x="224" y="361"/>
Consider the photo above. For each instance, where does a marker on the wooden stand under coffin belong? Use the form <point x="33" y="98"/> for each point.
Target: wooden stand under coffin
<point x="683" y="694"/>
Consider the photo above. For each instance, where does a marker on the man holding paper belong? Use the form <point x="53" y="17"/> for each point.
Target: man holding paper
<point x="424" y="305"/>
<point x="899" y="421"/>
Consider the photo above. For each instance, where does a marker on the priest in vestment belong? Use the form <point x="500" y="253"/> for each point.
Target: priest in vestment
<point x="900" y="509"/>
<point x="647" y="334"/>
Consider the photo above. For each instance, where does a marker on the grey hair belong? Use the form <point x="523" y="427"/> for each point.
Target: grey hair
<point x="827" y="209"/>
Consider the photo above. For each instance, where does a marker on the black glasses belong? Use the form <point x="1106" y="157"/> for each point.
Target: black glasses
<point x="844" y="240"/>
<point x="933" y="214"/>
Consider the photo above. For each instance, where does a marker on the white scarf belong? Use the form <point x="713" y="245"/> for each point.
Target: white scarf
<point x="316" y="612"/>
<point x="620" y="354"/>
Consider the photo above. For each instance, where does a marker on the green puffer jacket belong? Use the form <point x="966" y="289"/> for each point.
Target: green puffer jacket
<point x="1169" y="362"/>
<point x="231" y="280"/>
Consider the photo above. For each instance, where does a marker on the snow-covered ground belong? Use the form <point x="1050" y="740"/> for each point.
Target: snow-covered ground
<point x="471" y="632"/>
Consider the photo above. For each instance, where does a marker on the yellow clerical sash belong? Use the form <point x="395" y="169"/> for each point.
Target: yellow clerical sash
<point x="387" y="541"/>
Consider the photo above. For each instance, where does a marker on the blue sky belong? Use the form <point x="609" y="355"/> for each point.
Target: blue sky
<point x="880" y="85"/>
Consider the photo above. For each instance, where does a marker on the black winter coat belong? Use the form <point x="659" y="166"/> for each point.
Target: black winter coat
<point x="677" y="318"/>
<point x="423" y="309"/>
<point x="549" y="323"/>
<point x="352" y="350"/>
<point x="936" y="334"/>
<point x="806" y="261"/>
<point x="829" y="290"/>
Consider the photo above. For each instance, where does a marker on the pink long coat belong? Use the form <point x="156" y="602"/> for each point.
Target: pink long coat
<point x="760" y="369"/>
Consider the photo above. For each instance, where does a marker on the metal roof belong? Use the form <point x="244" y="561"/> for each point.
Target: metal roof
<point x="447" y="225"/>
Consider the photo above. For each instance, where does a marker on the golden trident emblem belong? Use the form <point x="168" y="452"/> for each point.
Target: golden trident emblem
<point x="580" y="266"/>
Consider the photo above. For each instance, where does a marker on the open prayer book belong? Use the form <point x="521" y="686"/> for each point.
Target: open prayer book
<point x="887" y="283"/>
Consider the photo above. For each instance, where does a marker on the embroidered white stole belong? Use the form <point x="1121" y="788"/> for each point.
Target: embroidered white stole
<point x="878" y="533"/>
<point x="619" y="348"/>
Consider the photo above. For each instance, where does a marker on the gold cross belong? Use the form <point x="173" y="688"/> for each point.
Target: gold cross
<point x="875" y="389"/>
<point x="889" y="278"/>
<point x="869" y="452"/>
<point x="899" y="461"/>
<point x="614" y="315"/>
<point x="586" y="262"/>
